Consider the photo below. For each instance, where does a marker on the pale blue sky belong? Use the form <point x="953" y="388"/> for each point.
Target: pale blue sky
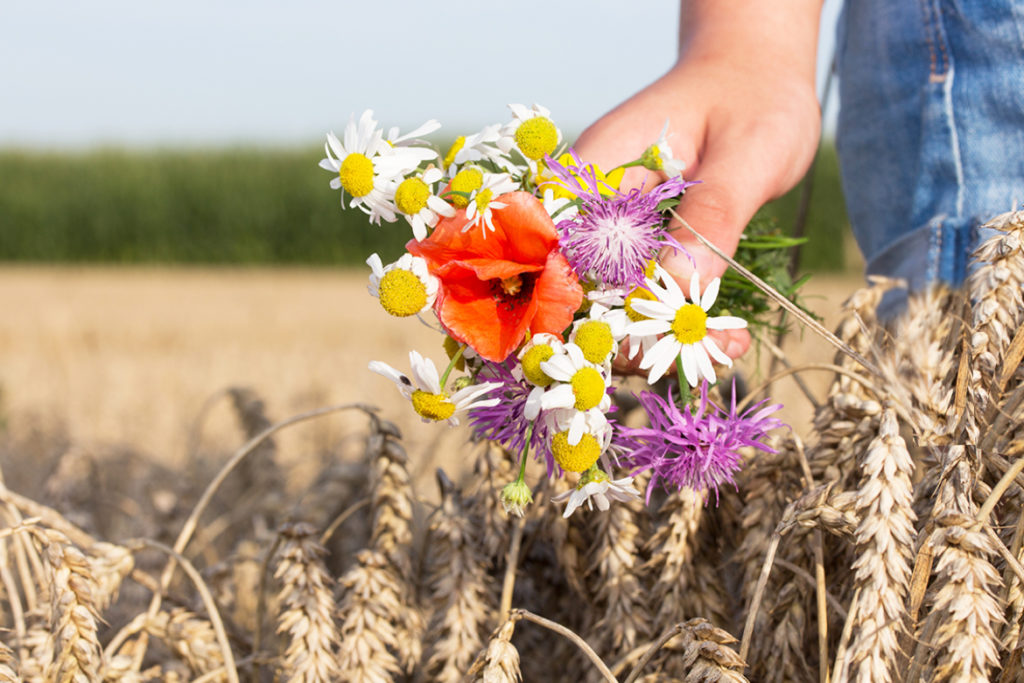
<point x="194" y="72"/>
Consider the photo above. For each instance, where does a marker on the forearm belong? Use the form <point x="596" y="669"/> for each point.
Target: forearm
<point x="778" y="35"/>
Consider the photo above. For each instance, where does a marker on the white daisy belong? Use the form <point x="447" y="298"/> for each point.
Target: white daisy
<point x="685" y="326"/>
<point x="480" y="146"/>
<point x="578" y="438"/>
<point x="368" y="167"/>
<point x="599" y="334"/>
<point x="597" y="488"/>
<point x="579" y="387"/>
<point x="532" y="132"/>
<point x="415" y="199"/>
<point x="426" y="393"/>
<point x="413" y="137"/>
<point x="540" y="348"/>
<point x="404" y="287"/>
<point x="658" y="157"/>
<point x="482" y="203"/>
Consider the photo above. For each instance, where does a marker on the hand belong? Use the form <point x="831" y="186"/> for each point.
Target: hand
<point x="745" y="123"/>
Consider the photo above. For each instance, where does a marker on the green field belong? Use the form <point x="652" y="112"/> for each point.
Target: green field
<point x="241" y="206"/>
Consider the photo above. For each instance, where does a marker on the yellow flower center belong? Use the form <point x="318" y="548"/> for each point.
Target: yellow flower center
<point x="690" y="325"/>
<point x="589" y="388"/>
<point x="536" y="137"/>
<point x="466" y="180"/>
<point x="483" y="199"/>
<point x="456" y="147"/>
<point x="402" y="293"/>
<point x="595" y="340"/>
<point x="411" y="196"/>
<point x="649" y="269"/>
<point x="638" y="293"/>
<point x="356" y="175"/>
<point x="576" y="458"/>
<point x="435" y="407"/>
<point x="531" y="364"/>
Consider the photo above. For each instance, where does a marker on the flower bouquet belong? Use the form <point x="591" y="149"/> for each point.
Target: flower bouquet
<point x="538" y="272"/>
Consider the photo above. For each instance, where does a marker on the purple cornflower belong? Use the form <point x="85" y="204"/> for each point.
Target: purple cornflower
<point x="615" y="234"/>
<point x="506" y="423"/>
<point x="696" y="450"/>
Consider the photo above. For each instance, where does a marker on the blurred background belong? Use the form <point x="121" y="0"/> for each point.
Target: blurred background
<point x="165" y="231"/>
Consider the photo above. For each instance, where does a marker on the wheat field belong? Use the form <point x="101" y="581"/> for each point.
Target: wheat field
<point x="194" y="488"/>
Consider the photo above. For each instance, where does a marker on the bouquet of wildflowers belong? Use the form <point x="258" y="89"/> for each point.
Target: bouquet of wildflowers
<point x="538" y="272"/>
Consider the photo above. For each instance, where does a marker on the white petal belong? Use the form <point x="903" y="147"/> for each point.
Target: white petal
<point x="726" y="322"/>
<point x="424" y="372"/>
<point x="533" y="403"/>
<point x="660" y="358"/>
<point x="653" y="309"/>
<point x="710" y="294"/>
<point x="559" y="367"/>
<point x="561" y="396"/>
<point x="715" y="352"/>
<point x="576" y="428"/>
<point x="376" y="265"/>
<point x="695" y="287"/>
<point x="686" y="354"/>
<point x="704" y="363"/>
<point x="645" y="328"/>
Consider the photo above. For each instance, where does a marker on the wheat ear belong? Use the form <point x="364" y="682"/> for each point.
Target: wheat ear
<point x="884" y="537"/>
<point x="369" y="601"/>
<point x="307" y="606"/>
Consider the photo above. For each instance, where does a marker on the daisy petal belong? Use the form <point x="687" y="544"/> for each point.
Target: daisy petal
<point x="715" y="352"/>
<point x="726" y="322"/>
<point x="710" y="294"/>
<point x="704" y="363"/>
<point x="695" y="288"/>
<point x="689" y="359"/>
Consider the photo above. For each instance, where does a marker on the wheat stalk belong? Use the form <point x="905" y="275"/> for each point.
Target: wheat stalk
<point x="884" y="536"/>
<point x="307" y="606"/>
<point x="460" y="591"/>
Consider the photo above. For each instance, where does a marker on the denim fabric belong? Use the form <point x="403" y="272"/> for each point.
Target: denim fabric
<point x="931" y="130"/>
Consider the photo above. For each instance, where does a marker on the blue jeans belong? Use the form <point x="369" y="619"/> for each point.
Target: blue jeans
<point x="931" y="131"/>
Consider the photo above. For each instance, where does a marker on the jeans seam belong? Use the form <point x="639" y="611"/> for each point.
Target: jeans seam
<point x="938" y="60"/>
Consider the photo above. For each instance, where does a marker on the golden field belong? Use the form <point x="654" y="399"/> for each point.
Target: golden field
<point x="127" y="357"/>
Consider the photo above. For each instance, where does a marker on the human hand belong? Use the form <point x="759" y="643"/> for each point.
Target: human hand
<point x="742" y="114"/>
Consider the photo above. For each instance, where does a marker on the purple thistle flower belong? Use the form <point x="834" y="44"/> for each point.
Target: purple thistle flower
<point x="613" y="237"/>
<point x="698" y="450"/>
<point x="506" y="423"/>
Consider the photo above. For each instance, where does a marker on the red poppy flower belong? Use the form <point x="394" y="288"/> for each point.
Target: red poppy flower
<point x="497" y="287"/>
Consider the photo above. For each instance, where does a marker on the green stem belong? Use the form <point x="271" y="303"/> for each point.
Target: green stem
<point x="522" y="456"/>
<point x="451" y="364"/>
<point x="684" y="385"/>
<point x="629" y="164"/>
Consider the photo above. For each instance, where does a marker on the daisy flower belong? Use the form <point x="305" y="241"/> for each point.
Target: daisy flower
<point x="481" y="146"/>
<point x="483" y="202"/>
<point x="541" y="347"/>
<point x="579" y="383"/>
<point x="695" y="449"/>
<point x="368" y="167"/>
<point x="685" y="326"/>
<point x="612" y="238"/>
<point x="531" y="131"/>
<point x="658" y="157"/>
<point x="426" y="394"/>
<point x="404" y="287"/>
<point x="415" y="199"/>
<point x="596" y="487"/>
<point x="599" y="334"/>
<point x="578" y="451"/>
